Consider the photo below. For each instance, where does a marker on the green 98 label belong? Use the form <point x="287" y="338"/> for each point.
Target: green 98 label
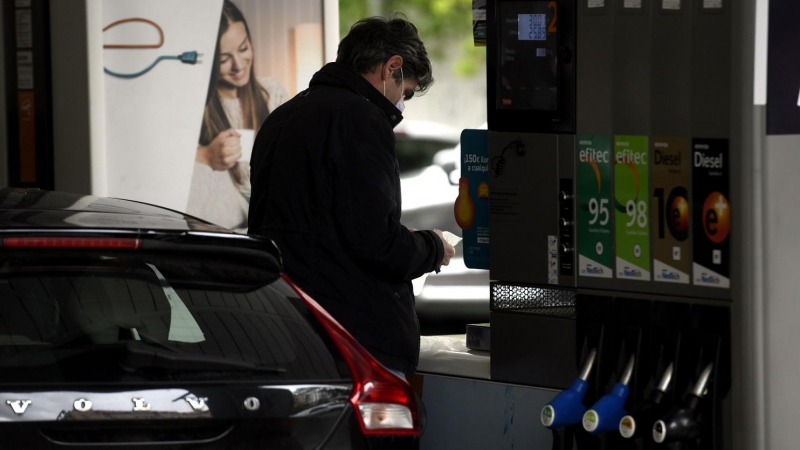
<point x="632" y="211"/>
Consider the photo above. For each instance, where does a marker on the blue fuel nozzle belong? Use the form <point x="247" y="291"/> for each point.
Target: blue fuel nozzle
<point x="610" y="409"/>
<point x="567" y="407"/>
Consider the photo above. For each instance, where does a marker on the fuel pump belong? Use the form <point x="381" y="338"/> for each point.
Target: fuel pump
<point x="613" y="226"/>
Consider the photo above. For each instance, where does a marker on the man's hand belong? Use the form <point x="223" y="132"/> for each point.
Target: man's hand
<point x="449" y="250"/>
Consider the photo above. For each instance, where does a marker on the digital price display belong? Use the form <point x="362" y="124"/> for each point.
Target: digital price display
<point x="532" y="27"/>
<point x="527" y="75"/>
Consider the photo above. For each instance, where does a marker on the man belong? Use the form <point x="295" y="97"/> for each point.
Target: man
<point x="326" y="189"/>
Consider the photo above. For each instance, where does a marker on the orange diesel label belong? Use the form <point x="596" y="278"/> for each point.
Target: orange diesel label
<point x="27" y="137"/>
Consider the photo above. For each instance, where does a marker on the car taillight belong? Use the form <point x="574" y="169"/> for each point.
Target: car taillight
<point x="384" y="404"/>
<point x="88" y="243"/>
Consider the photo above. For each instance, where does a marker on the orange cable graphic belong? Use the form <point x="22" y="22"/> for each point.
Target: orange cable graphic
<point x="130" y="46"/>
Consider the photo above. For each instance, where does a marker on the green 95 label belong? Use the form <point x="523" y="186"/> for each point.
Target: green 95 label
<point x="595" y="208"/>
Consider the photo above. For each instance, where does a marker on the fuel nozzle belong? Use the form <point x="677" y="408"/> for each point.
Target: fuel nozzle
<point x="640" y="422"/>
<point x="609" y="410"/>
<point x="681" y="423"/>
<point x="567" y="407"/>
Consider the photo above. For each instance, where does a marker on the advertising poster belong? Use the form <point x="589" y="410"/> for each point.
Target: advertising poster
<point x="595" y="252"/>
<point x="670" y="211"/>
<point x="711" y="209"/>
<point x="187" y="85"/>
<point x="632" y="215"/>
<point x="471" y="207"/>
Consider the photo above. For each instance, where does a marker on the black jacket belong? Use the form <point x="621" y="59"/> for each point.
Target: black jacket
<point x="326" y="189"/>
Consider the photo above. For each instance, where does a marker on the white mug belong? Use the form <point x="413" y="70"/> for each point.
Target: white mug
<point x="246" y="139"/>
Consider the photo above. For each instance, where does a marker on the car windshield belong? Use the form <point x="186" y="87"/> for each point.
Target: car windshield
<point x="106" y="316"/>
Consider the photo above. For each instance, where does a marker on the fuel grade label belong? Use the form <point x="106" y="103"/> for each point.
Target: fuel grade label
<point x="712" y="211"/>
<point x="669" y="207"/>
<point x="595" y="252"/>
<point x="632" y="211"/>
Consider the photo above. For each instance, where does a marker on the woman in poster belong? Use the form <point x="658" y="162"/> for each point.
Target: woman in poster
<point x="236" y="106"/>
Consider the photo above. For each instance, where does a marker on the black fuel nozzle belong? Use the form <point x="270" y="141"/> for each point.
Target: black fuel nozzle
<point x="640" y="422"/>
<point x="681" y="423"/>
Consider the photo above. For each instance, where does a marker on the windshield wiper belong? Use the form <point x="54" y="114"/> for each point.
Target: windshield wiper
<point x="142" y="355"/>
<point x="140" y="336"/>
<point x="144" y="337"/>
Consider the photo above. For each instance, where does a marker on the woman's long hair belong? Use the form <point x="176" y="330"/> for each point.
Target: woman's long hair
<point x="252" y="96"/>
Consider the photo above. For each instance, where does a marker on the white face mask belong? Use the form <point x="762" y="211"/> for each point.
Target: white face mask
<point x="399" y="105"/>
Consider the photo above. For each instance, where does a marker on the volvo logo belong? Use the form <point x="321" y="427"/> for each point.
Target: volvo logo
<point x="19" y="406"/>
<point x="82" y="405"/>
<point x="139" y="404"/>
<point x="197" y="403"/>
<point x="252" y="404"/>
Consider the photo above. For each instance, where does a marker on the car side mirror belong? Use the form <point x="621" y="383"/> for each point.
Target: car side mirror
<point x="453" y="174"/>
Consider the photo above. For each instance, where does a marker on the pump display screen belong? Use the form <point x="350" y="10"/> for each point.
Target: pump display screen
<point x="532" y="27"/>
<point x="527" y="76"/>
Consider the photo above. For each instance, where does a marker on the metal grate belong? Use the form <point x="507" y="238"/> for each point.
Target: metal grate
<point x="531" y="299"/>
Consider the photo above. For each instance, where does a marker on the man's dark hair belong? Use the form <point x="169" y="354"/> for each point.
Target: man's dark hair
<point x="372" y="41"/>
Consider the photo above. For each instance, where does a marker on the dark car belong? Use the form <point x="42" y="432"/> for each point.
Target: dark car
<point x="418" y="142"/>
<point x="124" y="324"/>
